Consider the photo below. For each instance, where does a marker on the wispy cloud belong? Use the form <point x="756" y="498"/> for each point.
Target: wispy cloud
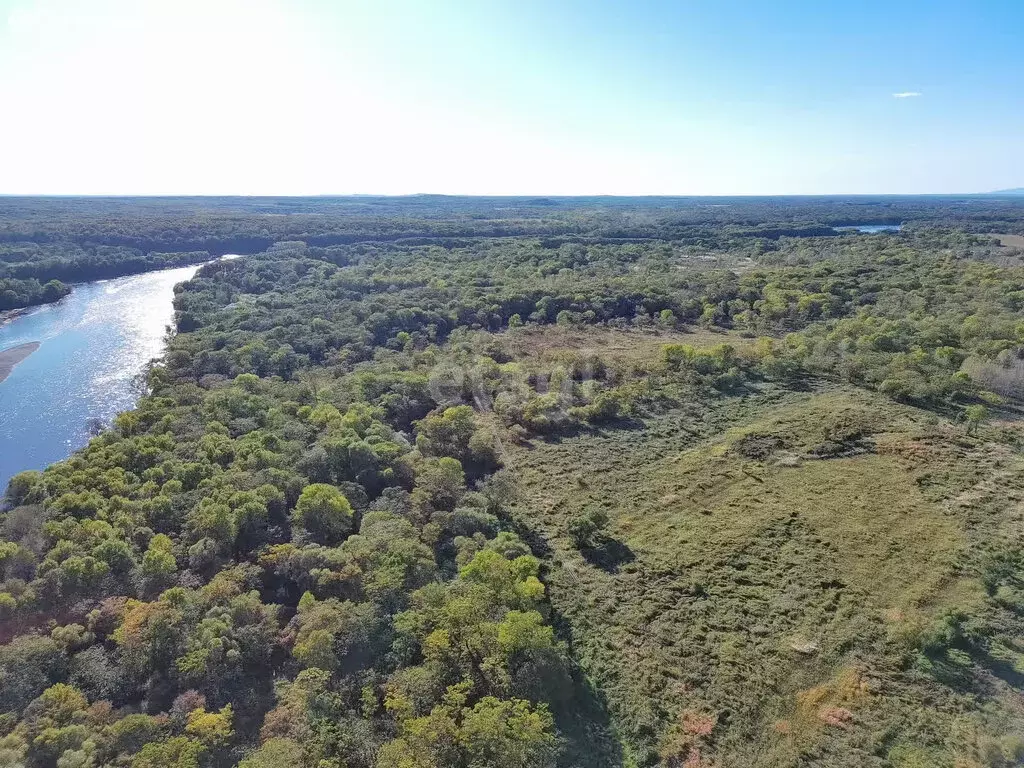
<point x="905" y="95"/>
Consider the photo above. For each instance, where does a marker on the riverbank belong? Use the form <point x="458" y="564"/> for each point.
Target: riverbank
<point x="95" y="343"/>
<point x="6" y="315"/>
<point x="184" y="259"/>
<point x="9" y="358"/>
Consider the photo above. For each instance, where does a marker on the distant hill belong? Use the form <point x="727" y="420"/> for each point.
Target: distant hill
<point x="1015" y="191"/>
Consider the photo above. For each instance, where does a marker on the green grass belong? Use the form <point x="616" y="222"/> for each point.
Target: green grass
<point x="768" y="557"/>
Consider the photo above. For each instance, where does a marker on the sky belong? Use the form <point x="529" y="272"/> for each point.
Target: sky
<point x="553" y="97"/>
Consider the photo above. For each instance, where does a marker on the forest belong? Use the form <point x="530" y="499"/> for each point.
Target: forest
<point x="438" y="482"/>
<point x="78" y="239"/>
<point x="34" y="273"/>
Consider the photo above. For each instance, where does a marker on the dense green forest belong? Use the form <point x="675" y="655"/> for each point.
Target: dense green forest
<point x="15" y="294"/>
<point x="471" y="482"/>
<point x="36" y="272"/>
<point x="78" y="239"/>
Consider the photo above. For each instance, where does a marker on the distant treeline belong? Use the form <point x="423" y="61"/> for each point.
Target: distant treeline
<point x="79" y="239"/>
<point x="224" y="225"/>
<point x="72" y="263"/>
<point x="36" y="273"/>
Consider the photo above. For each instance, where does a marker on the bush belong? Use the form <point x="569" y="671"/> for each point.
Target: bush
<point x="587" y="528"/>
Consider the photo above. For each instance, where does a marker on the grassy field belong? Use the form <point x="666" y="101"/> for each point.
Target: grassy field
<point x="770" y="560"/>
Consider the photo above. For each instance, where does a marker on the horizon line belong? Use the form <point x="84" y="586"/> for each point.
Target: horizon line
<point x="1012" y="192"/>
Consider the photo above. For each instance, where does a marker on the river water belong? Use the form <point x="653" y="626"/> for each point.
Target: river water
<point x="871" y="229"/>
<point x="94" y="344"/>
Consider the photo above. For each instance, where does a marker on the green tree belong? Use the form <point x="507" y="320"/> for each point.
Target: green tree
<point x="132" y="732"/>
<point x="176" y="752"/>
<point x="54" y="290"/>
<point x="21" y="486"/>
<point x="508" y="734"/>
<point x="494" y="733"/>
<point x="976" y="415"/>
<point x="212" y="729"/>
<point x="275" y="753"/>
<point x="159" y="566"/>
<point x="586" y="528"/>
<point x="324" y="513"/>
<point x="447" y="433"/>
<point x="440" y="482"/>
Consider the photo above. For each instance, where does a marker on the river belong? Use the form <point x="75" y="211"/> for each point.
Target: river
<point x="93" y="345"/>
<point x="871" y="229"/>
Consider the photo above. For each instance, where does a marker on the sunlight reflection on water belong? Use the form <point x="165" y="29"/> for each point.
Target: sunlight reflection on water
<point x="94" y="345"/>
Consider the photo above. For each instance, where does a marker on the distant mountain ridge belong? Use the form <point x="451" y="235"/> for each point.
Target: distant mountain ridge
<point x="1014" y="191"/>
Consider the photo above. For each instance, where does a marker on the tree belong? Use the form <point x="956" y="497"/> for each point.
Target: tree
<point x="508" y="734"/>
<point x="586" y="528"/>
<point x="59" y="704"/>
<point x="495" y="733"/>
<point x="28" y="665"/>
<point x="176" y="752"/>
<point x="976" y="415"/>
<point x="275" y="753"/>
<point x="677" y="356"/>
<point x="440" y="482"/>
<point x="324" y="513"/>
<point x="447" y="433"/>
<point x="333" y="634"/>
<point x="158" y="564"/>
<point x="213" y="729"/>
<point x="54" y="290"/>
<point x="132" y="732"/>
<point x="20" y="487"/>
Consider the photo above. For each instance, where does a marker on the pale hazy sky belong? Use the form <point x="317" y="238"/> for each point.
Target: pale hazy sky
<point x="509" y="97"/>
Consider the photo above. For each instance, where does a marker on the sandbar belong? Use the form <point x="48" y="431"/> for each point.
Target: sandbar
<point x="11" y="357"/>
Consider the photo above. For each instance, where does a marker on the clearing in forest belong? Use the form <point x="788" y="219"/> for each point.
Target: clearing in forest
<point x="761" y="552"/>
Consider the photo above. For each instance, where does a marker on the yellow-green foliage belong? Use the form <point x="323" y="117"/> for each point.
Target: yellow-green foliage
<point x="213" y="729"/>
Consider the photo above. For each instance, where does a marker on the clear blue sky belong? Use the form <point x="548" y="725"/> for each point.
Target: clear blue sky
<point x="516" y="97"/>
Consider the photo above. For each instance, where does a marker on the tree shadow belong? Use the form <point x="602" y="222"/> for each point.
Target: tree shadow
<point x="588" y="737"/>
<point x="623" y="424"/>
<point x="956" y="676"/>
<point x="569" y="431"/>
<point x="609" y="555"/>
<point x="530" y="536"/>
<point x="1002" y="669"/>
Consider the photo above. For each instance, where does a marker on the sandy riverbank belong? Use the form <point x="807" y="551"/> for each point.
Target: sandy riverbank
<point x="11" y="357"/>
<point x="6" y="315"/>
